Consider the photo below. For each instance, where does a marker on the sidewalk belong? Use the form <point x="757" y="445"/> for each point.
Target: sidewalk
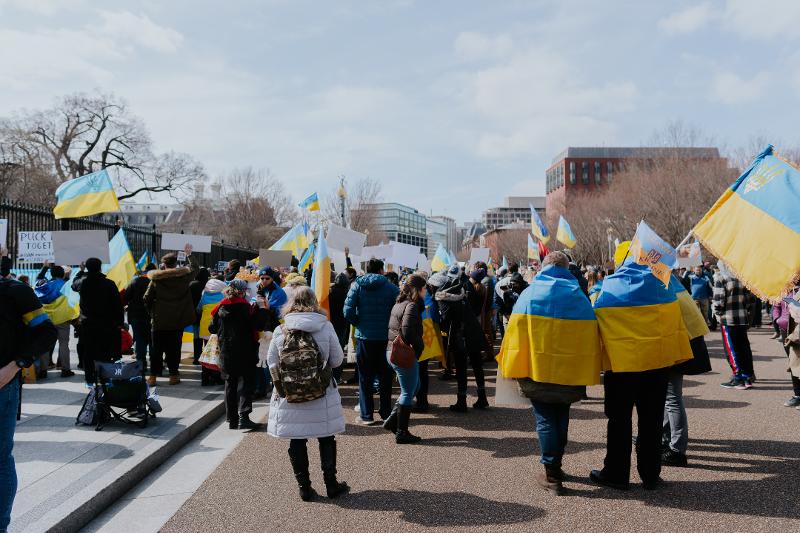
<point x="69" y="474"/>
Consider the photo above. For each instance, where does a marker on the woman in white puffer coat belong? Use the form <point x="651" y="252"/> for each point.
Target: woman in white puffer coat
<point x="321" y="418"/>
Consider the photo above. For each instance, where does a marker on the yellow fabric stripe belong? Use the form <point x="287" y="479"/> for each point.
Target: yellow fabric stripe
<point x="60" y="311"/>
<point x="87" y="204"/>
<point x="645" y="337"/>
<point x="729" y="230"/>
<point x="551" y="350"/>
<point x="122" y="272"/>
<point x="205" y="320"/>
<point x="692" y="317"/>
<point x="433" y="341"/>
<point x="27" y="317"/>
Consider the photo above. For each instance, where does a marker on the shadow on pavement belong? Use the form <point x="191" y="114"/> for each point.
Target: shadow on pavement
<point x="507" y="447"/>
<point x="433" y="509"/>
<point x="693" y="402"/>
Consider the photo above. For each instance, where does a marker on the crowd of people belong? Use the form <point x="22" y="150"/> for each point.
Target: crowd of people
<point x="272" y="335"/>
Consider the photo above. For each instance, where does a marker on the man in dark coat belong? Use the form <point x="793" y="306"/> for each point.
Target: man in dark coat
<point x="169" y="302"/>
<point x="101" y="317"/>
<point x="196" y="289"/>
<point x="138" y="317"/>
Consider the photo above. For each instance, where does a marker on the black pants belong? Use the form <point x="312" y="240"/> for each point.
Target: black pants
<point x="199" y="342"/>
<point x="239" y="390"/>
<point x="422" y="391"/>
<point x="166" y="345"/>
<point x="647" y="391"/>
<point x="462" y="354"/>
<point x="98" y="343"/>
<point x="737" y="348"/>
<point x="300" y="444"/>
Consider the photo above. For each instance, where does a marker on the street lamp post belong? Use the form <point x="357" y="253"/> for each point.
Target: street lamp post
<point x="342" y="196"/>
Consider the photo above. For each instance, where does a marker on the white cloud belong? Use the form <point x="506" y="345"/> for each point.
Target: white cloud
<point x="352" y="103"/>
<point x="729" y="88"/>
<point x="39" y="7"/>
<point x="688" y="20"/>
<point x="471" y="46"/>
<point x="139" y="29"/>
<point x="777" y="19"/>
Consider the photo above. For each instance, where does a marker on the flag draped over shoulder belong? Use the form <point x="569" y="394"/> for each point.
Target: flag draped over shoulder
<point x="441" y="259"/>
<point x="295" y="240"/>
<point x="431" y="333"/>
<point x="538" y="228"/>
<point x="122" y="267"/>
<point x="755" y="226"/>
<point x="88" y="195"/>
<point x="552" y="334"/>
<point x="321" y="276"/>
<point x="692" y="317"/>
<point x="311" y="203"/>
<point x="564" y="233"/>
<point x="640" y="321"/>
<point x="647" y="248"/>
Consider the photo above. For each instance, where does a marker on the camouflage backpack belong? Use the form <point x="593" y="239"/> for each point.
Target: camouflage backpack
<point x="301" y="376"/>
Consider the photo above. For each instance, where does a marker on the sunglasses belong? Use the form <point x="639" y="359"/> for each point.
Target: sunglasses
<point x="266" y="278"/>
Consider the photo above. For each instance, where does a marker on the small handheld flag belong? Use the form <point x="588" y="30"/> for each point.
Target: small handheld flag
<point x="647" y="248"/>
<point x="321" y="276"/>
<point x="440" y="260"/>
<point x="538" y="228"/>
<point x="307" y="259"/>
<point x="533" y="250"/>
<point x="141" y="264"/>
<point x="565" y="234"/>
<point x="311" y="203"/>
<point x="88" y="195"/>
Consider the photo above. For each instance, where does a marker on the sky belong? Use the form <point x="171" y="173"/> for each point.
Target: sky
<point x="452" y="105"/>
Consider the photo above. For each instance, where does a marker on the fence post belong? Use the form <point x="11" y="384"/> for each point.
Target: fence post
<point x="153" y="243"/>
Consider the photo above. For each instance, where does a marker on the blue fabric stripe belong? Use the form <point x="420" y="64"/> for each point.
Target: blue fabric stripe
<point x="39" y="319"/>
<point x="633" y="285"/>
<point x="95" y="182"/>
<point x="555" y="293"/>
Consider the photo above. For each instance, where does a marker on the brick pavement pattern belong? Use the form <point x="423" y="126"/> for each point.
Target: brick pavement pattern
<point x="474" y="472"/>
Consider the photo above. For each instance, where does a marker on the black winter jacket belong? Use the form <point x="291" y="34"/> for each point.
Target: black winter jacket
<point x="134" y="298"/>
<point x="237" y="325"/>
<point x="101" y="303"/>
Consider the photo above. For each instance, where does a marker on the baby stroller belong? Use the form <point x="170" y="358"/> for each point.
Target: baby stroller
<point x="120" y="392"/>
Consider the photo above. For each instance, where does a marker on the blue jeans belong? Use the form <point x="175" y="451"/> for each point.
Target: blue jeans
<point x="371" y="358"/>
<point x="552" y="424"/>
<point x="676" y="424"/>
<point x="9" y="403"/>
<point x="142" y="340"/>
<point x="409" y="382"/>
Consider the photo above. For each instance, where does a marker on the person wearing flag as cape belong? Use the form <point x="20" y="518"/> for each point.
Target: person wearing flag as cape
<point x="552" y="347"/>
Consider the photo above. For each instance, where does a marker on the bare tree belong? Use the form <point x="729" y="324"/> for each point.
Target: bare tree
<point x="511" y="244"/>
<point x="360" y="212"/>
<point x="24" y="175"/>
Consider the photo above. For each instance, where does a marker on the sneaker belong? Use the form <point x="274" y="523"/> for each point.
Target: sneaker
<point x="357" y="408"/>
<point x="732" y="384"/>
<point x="794" y="401"/>
<point x="744" y="385"/>
<point x="672" y="458"/>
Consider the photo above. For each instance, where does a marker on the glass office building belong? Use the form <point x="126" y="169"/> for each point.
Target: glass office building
<point x="403" y="224"/>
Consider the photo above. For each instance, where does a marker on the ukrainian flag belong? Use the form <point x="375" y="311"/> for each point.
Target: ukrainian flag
<point x="647" y="248"/>
<point x="533" y="250"/>
<point x="311" y="203"/>
<point x="208" y="301"/>
<point x="55" y="303"/>
<point x="87" y="195"/>
<point x="565" y="234"/>
<point x="453" y="259"/>
<point x="538" y="228"/>
<point x="640" y="321"/>
<point x="431" y="333"/>
<point x="122" y="267"/>
<point x="505" y="263"/>
<point x="440" y="260"/>
<point x="307" y="259"/>
<point x="141" y="264"/>
<point x="155" y="259"/>
<point x="552" y="334"/>
<point x="321" y="276"/>
<point x="755" y="226"/>
<point x="295" y="240"/>
<point x="692" y="316"/>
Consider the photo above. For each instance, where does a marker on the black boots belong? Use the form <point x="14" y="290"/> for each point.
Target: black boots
<point x="482" y="402"/>
<point x="327" y="455"/>
<point x="403" y="436"/>
<point x="299" y="459"/>
<point x="246" y="423"/>
<point x="390" y="424"/>
<point x="461" y="404"/>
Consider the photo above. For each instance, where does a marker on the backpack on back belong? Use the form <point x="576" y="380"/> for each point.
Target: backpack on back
<point x="302" y="375"/>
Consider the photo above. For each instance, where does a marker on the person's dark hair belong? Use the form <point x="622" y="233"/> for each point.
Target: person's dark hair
<point x="202" y="275"/>
<point x="351" y="273"/>
<point x="374" y="266"/>
<point x="93" y="265"/>
<point x="480" y="264"/>
<point x="57" y="272"/>
<point x="513" y="267"/>
<point x="24" y="279"/>
<point x="149" y="267"/>
<point x="170" y="260"/>
<point x="411" y="288"/>
<point x="234" y="265"/>
<point x="393" y="278"/>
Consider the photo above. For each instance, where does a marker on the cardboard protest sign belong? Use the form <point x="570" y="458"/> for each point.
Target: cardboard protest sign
<point x="404" y="255"/>
<point x="75" y="247"/>
<point x="178" y="241"/>
<point x="479" y="254"/>
<point x="339" y="238"/>
<point x="35" y="246"/>
<point x="275" y="258"/>
<point x="3" y="233"/>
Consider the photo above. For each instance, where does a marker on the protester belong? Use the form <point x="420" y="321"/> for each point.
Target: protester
<point x="321" y="418"/>
<point x="336" y="299"/>
<point x="212" y="295"/>
<point x="701" y="288"/>
<point x="138" y="317"/>
<point x="481" y="302"/>
<point x="406" y="322"/>
<point x="269" y="287"/>
<point x="793" y="344"/>
<point x="169" y="303"/>
<point x="101" y="317"/>
<point x="731" y="300"/>
<point x="232" y="270"/>
<point x="25" y="333"/>
<point x="552" y="346"/>
<point x="237" y="323"/>
<point x="784" y="321"/>
<point x="367" y="307"/>
<point x="61" y="315"/>
<point x="196" y="288"/>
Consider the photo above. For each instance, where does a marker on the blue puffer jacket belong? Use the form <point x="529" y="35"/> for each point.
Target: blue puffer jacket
<point x="368" y="306"/>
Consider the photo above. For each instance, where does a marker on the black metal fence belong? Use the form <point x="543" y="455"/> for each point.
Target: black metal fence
<point x="24" y="217"/>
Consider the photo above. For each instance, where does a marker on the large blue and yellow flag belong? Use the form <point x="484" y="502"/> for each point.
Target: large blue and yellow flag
<point x="552" y="334"/>
<point x="533" y="249"/>
<point x="308" y="258"/>
<point x="311" y="203"/>
<point x="88" y="195"/>
<point x="440" y="260"/>
<point x="321" y="276"/>
<point x="295" y="240"/>
<point x="647" y="248"/>
<point x="640" y="321"/>
<point x="538" y="228"/>
<point x="755" y="226"/>
<point x="564" y="233"/>
<point x="431" y="334"/>
<point x="122" y="267"/>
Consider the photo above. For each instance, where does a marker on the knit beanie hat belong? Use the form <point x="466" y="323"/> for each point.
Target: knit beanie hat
<point x="478" y="275"/>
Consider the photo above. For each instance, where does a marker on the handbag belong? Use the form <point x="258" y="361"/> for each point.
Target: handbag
<point x="210" y="357"/>
<point x="402" y="354"/>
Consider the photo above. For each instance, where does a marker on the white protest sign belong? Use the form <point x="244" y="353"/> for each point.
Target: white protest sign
<point x="182" y="256"/>
<point x="3" y="233"/>
<point x="689" y="255"/>
<point x="178" y="241"/>
<point x="404" y="255"/>
<point x="35" y="246"/>
<point x="75" y="247"/>
<point x="375" y="252"/>
<point x="423" y="264"/>
<point x="479" y="254"/>
<point x="339" y="238"/>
